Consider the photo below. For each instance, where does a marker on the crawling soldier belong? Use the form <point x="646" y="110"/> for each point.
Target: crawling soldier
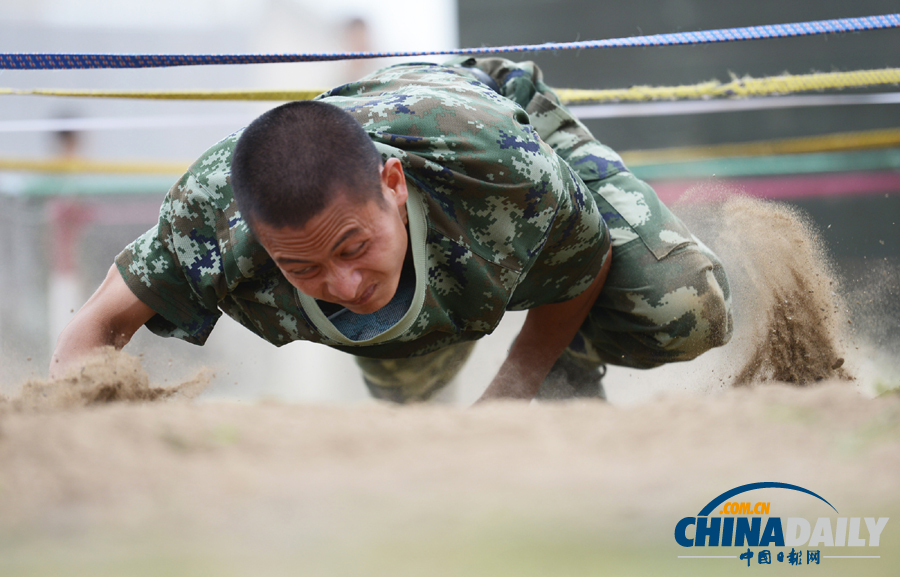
<point x="398" y="218"/>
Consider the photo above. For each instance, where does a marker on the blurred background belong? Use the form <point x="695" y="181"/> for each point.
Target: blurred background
<point x="60" y="231"/>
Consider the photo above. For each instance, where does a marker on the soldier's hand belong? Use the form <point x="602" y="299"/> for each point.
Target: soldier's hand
<point x="109" y="318"/>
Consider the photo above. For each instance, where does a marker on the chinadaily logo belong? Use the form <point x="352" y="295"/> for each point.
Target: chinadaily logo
<point x="764" y="534"/>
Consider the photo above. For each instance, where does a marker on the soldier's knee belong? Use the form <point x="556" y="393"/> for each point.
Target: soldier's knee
<point x="717" y="305"/>
<point x="701" y="317"/>
<point x="413" y="379"/>
<point x="721" y="319"/>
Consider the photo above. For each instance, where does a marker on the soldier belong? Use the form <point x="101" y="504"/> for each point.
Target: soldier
<point x="398" y="218"/>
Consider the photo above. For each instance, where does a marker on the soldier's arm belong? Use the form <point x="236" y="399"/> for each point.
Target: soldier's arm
<point x="547" y="331"/>
<point x="109" y="318"/>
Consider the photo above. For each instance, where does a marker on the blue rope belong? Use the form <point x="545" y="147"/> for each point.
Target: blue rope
<point x="14" y="61"/>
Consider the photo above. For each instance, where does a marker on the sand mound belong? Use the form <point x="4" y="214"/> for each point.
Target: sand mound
<point x="106" y="377"/>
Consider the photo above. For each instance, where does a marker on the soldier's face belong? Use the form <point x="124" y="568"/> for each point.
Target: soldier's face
<point x="350" y="254"/>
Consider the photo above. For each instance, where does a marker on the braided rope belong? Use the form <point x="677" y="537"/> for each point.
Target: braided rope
<point x="837" y="142"/>
<point x="20" y="61"/>
<point x="834" y="142"/>
<point x="79" y="166"/>
<point x="255" y="95"/>
<point x="737" y="88"/>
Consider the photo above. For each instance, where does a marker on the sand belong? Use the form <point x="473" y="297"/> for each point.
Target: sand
<point x="335" y="489"/>
<point x="109" y="376"/>
<point x="789" y="314"/>
<point x="103" y="473"/>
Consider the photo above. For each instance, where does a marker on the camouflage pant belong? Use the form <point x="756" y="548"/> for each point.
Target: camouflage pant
<point x="666" y="298"/>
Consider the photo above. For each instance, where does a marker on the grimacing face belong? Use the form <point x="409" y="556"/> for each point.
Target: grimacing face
<point x="351" y="253"/>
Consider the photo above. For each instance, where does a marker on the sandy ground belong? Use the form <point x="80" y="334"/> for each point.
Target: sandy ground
<point x="106" y="474"/>
<point x="573" y="488"/>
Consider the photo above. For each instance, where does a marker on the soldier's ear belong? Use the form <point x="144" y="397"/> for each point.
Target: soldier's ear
<point x="393" y="182"/>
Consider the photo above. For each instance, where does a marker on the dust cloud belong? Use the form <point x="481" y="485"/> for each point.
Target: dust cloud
<point x="105" y="377"/>
<point x="788" y="312"/>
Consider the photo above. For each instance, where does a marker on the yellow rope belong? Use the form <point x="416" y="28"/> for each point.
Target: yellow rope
<point x="826" y="143"/>
<point x="67" y="166"/>
<point x="841" y="141"/>
<point x="737" y="88"/>
<point x="276" y="95"/>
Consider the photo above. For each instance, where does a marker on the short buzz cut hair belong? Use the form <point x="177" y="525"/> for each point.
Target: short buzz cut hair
<point x="291" y="162"/>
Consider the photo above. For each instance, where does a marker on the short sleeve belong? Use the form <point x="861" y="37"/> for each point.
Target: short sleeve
<point x="571" y="255"/>
<point x="176" y="267"/>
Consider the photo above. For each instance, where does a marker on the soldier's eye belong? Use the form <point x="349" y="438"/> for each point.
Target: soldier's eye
<point x="304" y="272"/>
<point x="354" y="250"/>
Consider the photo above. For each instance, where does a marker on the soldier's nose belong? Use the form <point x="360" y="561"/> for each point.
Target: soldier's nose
<point x="344" y="284"/>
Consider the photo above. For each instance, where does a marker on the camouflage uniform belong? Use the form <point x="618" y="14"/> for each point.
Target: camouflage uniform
<point x="666" y="297"/>
<point x="498" y="221"/>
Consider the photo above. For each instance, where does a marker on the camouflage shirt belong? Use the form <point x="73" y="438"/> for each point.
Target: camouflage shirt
<point x="497" y="222"/>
